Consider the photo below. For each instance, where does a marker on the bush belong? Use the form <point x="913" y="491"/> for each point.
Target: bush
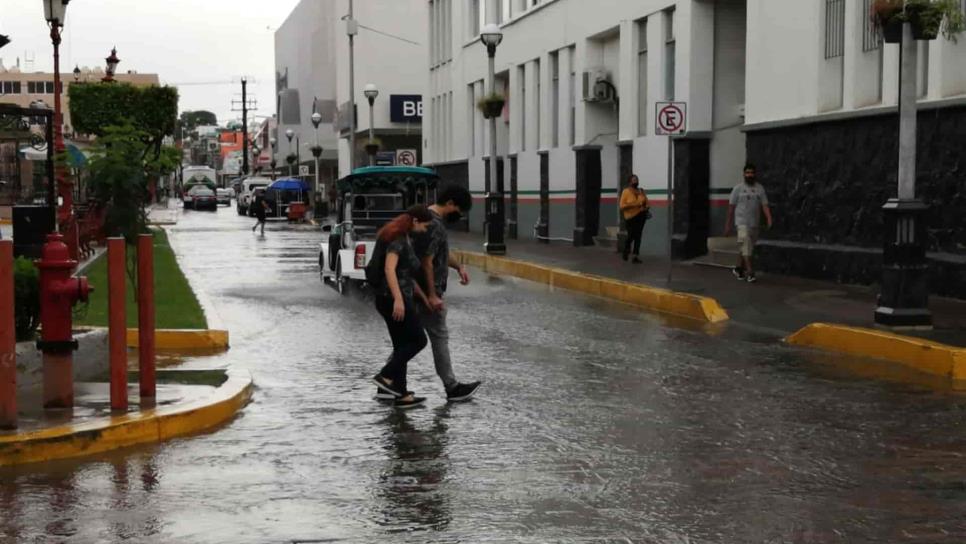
<point x="26" y="303"/>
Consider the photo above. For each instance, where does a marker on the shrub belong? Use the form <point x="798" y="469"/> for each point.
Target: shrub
<point x="26" y="299"/>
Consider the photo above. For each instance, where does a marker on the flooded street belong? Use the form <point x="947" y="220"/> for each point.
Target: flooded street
<point x="596" y="423"/>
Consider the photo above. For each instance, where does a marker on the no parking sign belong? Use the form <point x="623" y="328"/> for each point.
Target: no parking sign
<point x="671" y="118"/>
<point x="406" y="157"/>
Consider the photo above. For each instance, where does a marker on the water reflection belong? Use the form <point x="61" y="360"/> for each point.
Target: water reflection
<point x="411" y="483"/>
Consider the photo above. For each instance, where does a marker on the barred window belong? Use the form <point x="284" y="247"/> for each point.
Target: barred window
<point x="871" y="40"/>
<point x="834" y="28"/>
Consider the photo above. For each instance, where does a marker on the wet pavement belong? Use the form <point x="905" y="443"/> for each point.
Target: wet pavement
<point x="596" y="424"/>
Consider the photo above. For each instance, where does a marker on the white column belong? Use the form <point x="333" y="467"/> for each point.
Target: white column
<point x="546" y="103"/>
<point x="516" y="111"/>
<point x="627" y="82"/>
<point x="532" y="111"/>
<point x="566" y="91"/>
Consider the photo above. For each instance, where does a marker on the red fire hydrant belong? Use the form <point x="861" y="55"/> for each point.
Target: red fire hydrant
<point x="59" y="292"/>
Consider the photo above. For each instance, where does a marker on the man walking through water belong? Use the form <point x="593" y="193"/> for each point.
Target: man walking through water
<point x="748" y="200"/>
<point x="432" y="248"/>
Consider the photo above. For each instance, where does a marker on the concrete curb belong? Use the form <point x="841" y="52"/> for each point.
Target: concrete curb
<point x="651" y="298"/>
<point x="115" y="432"/>
<point x="922" y="355"/>
<point x="213" y="339"/>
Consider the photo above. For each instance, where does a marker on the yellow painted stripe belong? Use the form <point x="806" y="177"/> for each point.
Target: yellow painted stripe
<point x="183" y="339"/>
<point x="923" y="355"/>
<point x="5" y="221"/>
<point x="115" y="432"/>
<point x="659" y="300"/>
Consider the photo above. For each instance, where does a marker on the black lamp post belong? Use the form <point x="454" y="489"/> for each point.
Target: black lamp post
<point x="4" y="40"/>
<point x="112" y="62"/>
<point x="495" y="212"/>
<point x="371" y="92"/>
<point x="77" y="73"/>
<point x="55" y="12"/>
<point x="274" y="162"/>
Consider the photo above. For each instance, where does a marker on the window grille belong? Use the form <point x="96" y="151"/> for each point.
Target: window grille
<point x="871" y="40"/>
<point x="834" y="28"/>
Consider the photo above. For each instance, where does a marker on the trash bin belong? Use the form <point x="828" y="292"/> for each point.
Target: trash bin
<point x="31" y="225"/>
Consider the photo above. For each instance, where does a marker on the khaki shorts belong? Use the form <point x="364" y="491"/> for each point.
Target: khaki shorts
<point x="747" y="237"/>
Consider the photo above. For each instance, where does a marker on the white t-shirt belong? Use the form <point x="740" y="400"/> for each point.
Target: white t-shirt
<point x="748" y="200"/>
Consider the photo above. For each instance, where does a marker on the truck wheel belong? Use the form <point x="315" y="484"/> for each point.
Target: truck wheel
<point x="342" y="283"/>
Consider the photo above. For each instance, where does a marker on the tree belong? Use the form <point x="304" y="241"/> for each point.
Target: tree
<point x="191" y="120"/>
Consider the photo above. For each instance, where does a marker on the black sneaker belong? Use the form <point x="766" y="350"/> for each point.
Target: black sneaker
<point x="750" y="278"/>
<point x="739" y="273"/>
<point x="386" y="387"/>
<point x="382" y="396"/>
<point x="635" y="260"/>
<point x="411" y="403"/>
<point x="462" y="392"/>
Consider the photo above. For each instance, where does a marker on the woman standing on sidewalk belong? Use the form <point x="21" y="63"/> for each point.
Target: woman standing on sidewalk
<point x="395" y="261"/>
<point x="635" y="208"/>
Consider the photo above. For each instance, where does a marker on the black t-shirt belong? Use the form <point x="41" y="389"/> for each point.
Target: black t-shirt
<point x="259" y="205"/>
<point x="406" y="270"/>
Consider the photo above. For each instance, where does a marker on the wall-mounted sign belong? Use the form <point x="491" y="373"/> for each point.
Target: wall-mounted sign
<point x="406" y="108"/>
<point x="385" y="158"/>
<point x="406" y="157"/>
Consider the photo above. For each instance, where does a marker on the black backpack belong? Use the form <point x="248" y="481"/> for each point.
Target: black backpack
<point x="376" y="269"/>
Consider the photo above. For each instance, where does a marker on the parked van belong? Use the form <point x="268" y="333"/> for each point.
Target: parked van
<point x="245" y="197"/>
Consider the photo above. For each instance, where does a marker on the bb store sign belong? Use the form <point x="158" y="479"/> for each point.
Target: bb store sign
<point x="406" y="108"/>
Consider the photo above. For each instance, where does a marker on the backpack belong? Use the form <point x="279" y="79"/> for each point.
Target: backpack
<point x="376" y="269"/>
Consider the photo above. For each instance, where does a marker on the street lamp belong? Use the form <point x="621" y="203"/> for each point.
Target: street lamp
<point x="77" y="73"/>
<point x="317" y="153"/>
<point x="55" y="12"/>
<point x="494" y="244"/>
<point x="371" y="93"/>
<point x="112" y="62"/>
<point x="4" y="40"/>
<point x="289" y="134"/>
<point x="256" y="154"/>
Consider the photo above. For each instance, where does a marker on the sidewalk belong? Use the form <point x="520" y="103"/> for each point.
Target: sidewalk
<point x="775" y="305"/>
<point x="162" y="215"/>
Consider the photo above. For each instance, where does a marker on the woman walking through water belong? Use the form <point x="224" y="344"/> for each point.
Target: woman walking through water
<point x="392" y="272"/>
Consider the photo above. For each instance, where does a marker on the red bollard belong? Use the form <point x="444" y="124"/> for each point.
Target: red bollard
<point x="146" y="368"/>
<point x="8" y="340"/>
<point x="117" y="322"/>
<point x="58" y="294"/>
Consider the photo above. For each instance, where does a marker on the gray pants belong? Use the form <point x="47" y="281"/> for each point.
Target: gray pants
<point x="435" y="325"/>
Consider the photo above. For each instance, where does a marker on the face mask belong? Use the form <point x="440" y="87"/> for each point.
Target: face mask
<point x="750" y="180"/>
<point x="454" y="217"/>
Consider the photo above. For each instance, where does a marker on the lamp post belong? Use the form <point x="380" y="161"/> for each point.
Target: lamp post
<point x="317" y="153"/>
<point x="112" y="62"/>
<point x="494" y="244"/>
<point x="274" y="162"/>
<point x="77" y="73"/>
<point x="289" y="134"/>
<point x="4" y="40"/>
<point x="351" y="29"/>
<point x="55" y="12"/>
<point x="371" y="92"/>
<point x="904" y="297"/>
<point x="256" y="154"/>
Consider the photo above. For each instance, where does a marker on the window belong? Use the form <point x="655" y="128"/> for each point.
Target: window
<point x="871" y="40"/>
<point x="572" y="52"/>
<point x="642" y="77"/>
<point x="669" y="55"/>
<point x="923" y="77"/>
<point x="471" y="120"/>
<point x="834" y="29"/>
<point x="6" y="87"/>
<point x="555" y="99"/>
<point x="522" y="75"/>
<point x="538" y="102"/>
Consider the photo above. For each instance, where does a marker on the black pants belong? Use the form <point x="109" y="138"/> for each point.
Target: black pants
<point x="635" y="230"/>
<point x="408" y="339"/>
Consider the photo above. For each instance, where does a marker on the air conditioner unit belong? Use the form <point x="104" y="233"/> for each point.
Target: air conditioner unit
<point x="597" y="86"/>
<point x="740" y="110"/>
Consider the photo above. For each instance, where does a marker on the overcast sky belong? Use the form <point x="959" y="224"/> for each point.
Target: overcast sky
<point x="183" y="41"/>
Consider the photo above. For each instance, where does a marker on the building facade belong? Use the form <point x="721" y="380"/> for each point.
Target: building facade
<point x="804" y="89"/>
<point x="312" y="70"/>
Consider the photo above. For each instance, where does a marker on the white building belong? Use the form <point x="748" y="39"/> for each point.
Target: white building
<point x="753" y="73"/>
<point x="312" y="71"/>
<point x="390" y="53"/>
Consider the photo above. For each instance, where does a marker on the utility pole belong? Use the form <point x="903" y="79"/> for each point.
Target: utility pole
<point x="244" y="83"/>
<point x="352" y="28"/>
<point x="244" y="107"/>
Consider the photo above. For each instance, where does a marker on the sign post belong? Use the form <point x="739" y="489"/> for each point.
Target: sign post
<point x="671" y="119"/>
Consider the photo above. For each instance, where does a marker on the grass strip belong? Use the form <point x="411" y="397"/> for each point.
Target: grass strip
<point x="176" y="306"/>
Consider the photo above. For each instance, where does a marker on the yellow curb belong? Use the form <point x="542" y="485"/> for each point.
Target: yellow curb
<point x="115" y="432"/>
<point x="923" y="355"/>
<point x="651" y="298"/>
<point x="6" y="222"/>
<point x="183" y="339"/>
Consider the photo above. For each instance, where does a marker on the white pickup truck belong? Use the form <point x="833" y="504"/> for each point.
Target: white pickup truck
<point x="368" y="199"/>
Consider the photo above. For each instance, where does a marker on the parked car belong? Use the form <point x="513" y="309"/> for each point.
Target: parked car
<point x="246" y="195"/>
<point x="200" y="197"/>
<point x="224" y="196"/>
<point x="368" y="199"/>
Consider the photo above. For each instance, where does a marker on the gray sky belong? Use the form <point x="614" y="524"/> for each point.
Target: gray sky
<point x="183" y="41"/>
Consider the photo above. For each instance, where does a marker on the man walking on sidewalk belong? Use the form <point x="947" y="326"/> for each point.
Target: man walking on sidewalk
<point x="432" y="247"/>
<point x="747" y="201"/>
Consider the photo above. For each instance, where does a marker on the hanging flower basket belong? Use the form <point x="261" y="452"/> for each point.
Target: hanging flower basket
<point x="888" y="16"/>
<point x="491" y="106"/>
<point x="373" y="146"/>
<point x="926" y="20"/>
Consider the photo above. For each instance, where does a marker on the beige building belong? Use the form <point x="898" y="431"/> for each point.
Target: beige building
<point x="23" y="88"/>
